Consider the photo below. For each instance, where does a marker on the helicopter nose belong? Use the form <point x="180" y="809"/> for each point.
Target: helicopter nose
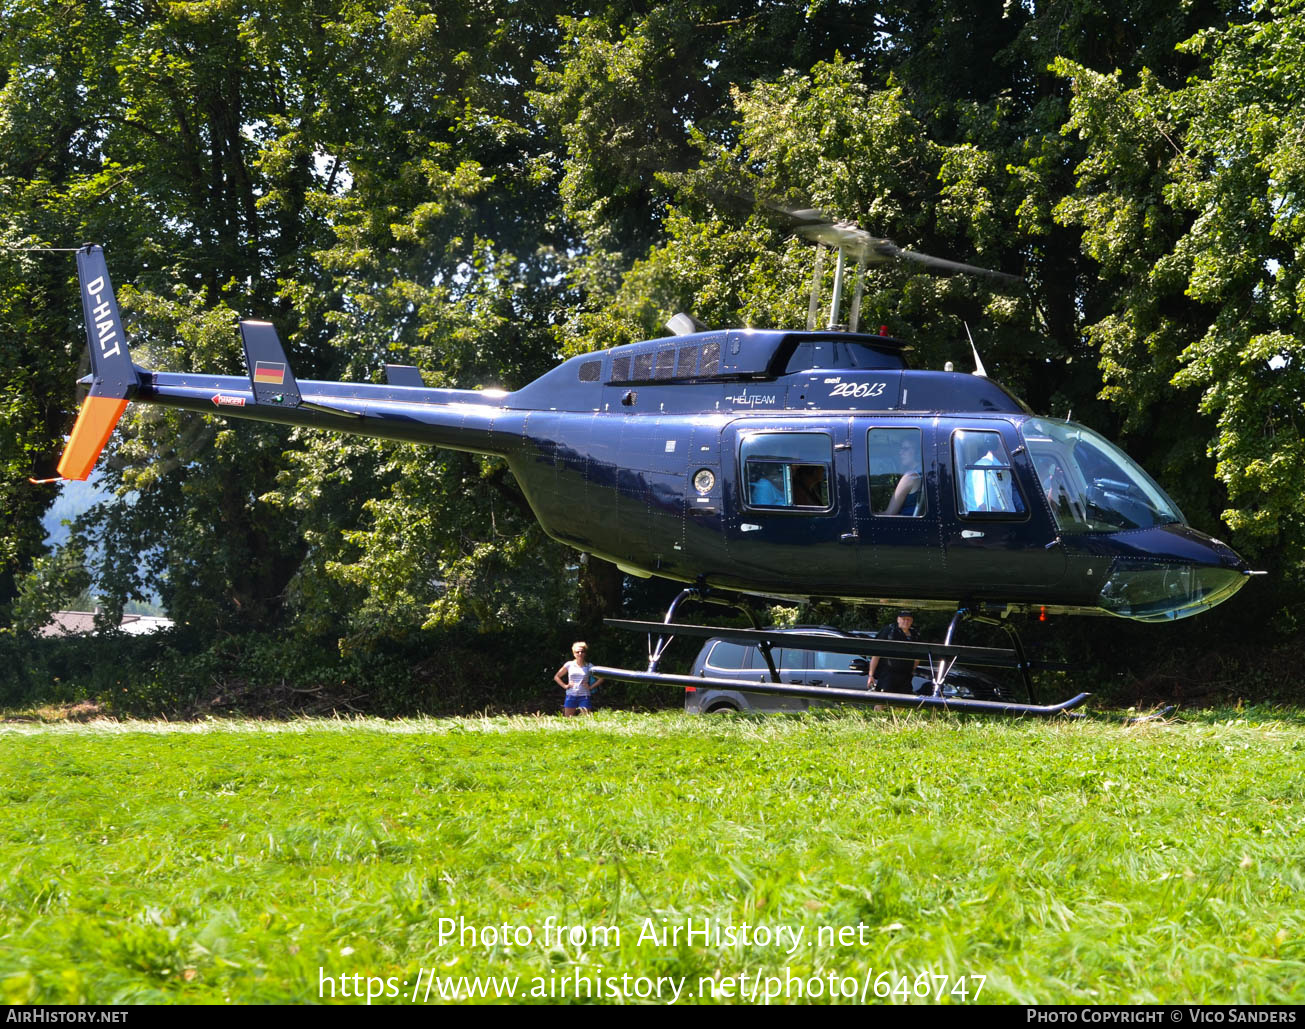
<point x="1170" y="572"/>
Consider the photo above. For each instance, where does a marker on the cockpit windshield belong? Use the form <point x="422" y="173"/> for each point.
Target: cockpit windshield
<point x="1092" y="485"/>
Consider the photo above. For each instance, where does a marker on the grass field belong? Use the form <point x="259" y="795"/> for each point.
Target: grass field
<point x="1033" y="862"/>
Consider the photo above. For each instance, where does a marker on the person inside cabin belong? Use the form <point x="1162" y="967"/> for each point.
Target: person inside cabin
<point x="767" y="489"/>
<point x="988" y="486"/>
<point x="908" y="492"/>
<point x="809" y="486"/>
<point x="1055" y="482"/>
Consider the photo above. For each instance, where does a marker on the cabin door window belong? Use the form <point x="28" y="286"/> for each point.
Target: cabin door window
<point x="897" y="473"/>
<point x="788" y="471"/>
<point x="985" y="481"/>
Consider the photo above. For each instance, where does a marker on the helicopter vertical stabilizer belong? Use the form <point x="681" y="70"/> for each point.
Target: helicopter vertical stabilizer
<point x="113" y="378"/>
<point x="269" y="371"/>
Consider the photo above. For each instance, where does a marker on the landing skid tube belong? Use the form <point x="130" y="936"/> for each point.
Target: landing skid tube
<point x="985" y="707"/>
<point x="941" y="658"/>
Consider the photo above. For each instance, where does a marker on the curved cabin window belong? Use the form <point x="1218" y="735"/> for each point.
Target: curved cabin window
<point x="787" y="471"/>
<point x="897" y="473"/>
<point x="830" y="353"/>
<point x="1090" y="484"/>
<point x="984" y="480"/>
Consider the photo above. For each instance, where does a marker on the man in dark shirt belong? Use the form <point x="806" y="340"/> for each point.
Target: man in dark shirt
<point x="894" y="675"/>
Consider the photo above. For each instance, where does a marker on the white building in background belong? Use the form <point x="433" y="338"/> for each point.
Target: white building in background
<point x="81" y="623"/>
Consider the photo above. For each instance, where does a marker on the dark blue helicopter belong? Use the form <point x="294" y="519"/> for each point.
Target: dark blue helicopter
<point x="789" y="465"/>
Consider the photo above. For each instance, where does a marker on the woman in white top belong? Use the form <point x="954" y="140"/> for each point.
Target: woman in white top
<point x="577" y="678"/>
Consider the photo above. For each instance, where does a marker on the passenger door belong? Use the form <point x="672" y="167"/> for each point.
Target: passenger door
<point x="994" y="534"/>
<point x="790" y="520"/>
<point x="792" y="667"/>
<point x="729" y="660"/>
<point x="900" y="552"/>
<point x="838" y="671"/>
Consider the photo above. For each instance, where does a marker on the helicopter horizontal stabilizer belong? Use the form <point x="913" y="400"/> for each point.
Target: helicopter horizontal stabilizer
<point x="113" y="377"/>
<point x="270" y="376"/>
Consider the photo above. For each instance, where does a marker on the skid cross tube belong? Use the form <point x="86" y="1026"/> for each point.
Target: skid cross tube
<point x="1018" y="646"/>
<point x="1021" y="662"/>
<point x="983" y="707"/>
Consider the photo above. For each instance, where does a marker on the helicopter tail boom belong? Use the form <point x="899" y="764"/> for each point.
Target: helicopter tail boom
<point x="401" y="410"/>
<point x="451" y="419"/>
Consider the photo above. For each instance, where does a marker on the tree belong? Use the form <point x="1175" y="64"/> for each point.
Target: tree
<point x="476" y="190"/>
<point x="52" y="64"/>
<point x="1190" y="201"/>
<point x="365" y="176"/>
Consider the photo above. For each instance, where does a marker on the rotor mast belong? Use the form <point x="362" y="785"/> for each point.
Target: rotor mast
<point x="844" y="239"/>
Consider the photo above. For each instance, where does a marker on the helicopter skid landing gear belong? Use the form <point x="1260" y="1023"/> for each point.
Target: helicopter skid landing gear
<point x="945" y="665"/>
<point x="704" y="595"/>
<point x="941" y="657"/>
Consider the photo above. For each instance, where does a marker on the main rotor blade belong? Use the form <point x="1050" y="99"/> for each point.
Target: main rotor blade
<point x="818" y="227"/>
<point x="950" y="266"/>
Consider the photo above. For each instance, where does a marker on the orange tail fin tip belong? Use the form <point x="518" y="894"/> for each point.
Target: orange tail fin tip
<point x="95" y="424"/>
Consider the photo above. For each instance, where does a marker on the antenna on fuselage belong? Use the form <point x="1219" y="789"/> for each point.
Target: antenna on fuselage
<point x="979" y="370"/>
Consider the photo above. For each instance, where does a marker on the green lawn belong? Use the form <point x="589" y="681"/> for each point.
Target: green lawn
<point x="1036" y="862"/>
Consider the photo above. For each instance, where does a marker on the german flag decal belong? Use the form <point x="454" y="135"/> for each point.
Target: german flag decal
<point x="269" y="372"/>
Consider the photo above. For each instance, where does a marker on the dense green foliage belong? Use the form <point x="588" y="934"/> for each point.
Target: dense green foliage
<point x="480" y="190"/>
<point x="182" y="674"/>
<point x="251" y="862"/>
